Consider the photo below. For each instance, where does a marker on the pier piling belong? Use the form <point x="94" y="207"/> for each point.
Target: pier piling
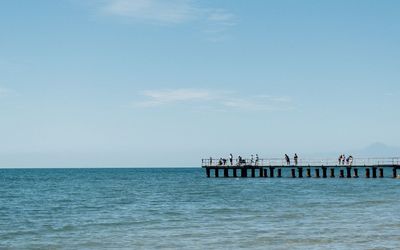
<point x="348" y="172"/>
<point x="356" y="173"/>
<point x="373" y="172"/>
<point x="324" y="175"/>
<point x="380" y="172"/>
<point x="300" y="172"/>
<point x="265" y="173"/>
<point x="235" y="172"/>
<point x="317" y="173"/>
<point x="293" y="173"/>
<point x="308" y="172"/>
<point x="261" y="174"/>
<point x="341" y="173"/>
<point x="394" y="172"/>
<point x="332" y="173"/>
<point x="208" y="172"/>
<point x="226" y="172"/>
<point x="271" y="172"/>
<point x="279" y="173"/>
<point x="216" y="173"/>
<point x="253" y="172"/>
<point x="367" y="173"/>
<point x="244" y="172"/>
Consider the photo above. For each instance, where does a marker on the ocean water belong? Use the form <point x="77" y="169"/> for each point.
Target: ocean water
<point x="182" y="209"/>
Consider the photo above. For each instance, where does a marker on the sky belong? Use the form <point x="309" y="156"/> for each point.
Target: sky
<point x="141" y="83"/>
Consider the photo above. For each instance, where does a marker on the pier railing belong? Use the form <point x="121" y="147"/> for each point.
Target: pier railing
<point x="302" y="162"/>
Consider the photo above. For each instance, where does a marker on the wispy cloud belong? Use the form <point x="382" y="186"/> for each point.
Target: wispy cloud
<point x="173" y="11"/>
<point x="161" y="97"/>
<point x="5" y="92"/>
<point x="215" y="21"/>
<point x="219" y="100"/>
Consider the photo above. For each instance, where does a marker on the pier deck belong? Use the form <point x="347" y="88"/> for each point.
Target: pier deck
<point x="269" y="168"/>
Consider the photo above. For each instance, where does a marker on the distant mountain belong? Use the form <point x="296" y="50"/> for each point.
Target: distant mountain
<point x="378" y="150"/>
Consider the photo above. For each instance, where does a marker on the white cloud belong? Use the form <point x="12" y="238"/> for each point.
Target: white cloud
<point x="159" y="97"/>
<point x="218" y="100"/>
<point x="214" y="21"/>
<point x="172" y="11"/>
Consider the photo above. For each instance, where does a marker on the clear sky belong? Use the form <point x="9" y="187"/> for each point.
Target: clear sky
<point x="165" y="83"/>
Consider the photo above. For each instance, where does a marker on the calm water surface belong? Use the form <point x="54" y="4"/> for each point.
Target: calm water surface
<point x="180" y="208"/>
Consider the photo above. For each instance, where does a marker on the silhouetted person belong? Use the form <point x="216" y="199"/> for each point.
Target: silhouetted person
<point x="296" y="158"/>
<point x="287" y="159"/>
<point x="350" y="160"/>
<point x="210" y="161"/>
<point x="340" y="159"/>
<point x="224" y="160"/>
<point x="231" y="159"/>
<point x="257" y="159"/>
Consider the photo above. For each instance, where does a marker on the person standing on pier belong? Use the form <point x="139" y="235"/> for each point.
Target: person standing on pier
<point x="210" y="161"/>
<point x="340" y="159"/>
<point x="231" y="159"/>
<point x="350" y="160"/>
<point x="343" y="159"/>
<point x="252" y="160"/>
<point x="257" y="159"/>
<point x="296" y="158"/>
<point x="287" y="159"/>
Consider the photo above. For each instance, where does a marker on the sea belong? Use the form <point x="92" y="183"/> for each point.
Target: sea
<point x="179" y="208"/>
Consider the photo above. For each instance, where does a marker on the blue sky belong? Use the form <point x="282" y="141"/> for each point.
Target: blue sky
<point x="164" y="83"/>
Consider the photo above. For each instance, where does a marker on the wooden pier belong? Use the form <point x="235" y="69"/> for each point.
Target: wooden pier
<point x="275" y="168"/>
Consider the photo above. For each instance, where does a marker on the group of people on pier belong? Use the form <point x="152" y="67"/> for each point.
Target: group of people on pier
<point x="239" y="161"/>
<point x="342" y="160"/>
<point x="255" y="160"/>
<point x="295" y="159"/>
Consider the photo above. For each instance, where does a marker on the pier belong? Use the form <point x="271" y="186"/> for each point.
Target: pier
<point x="314" y="168"/>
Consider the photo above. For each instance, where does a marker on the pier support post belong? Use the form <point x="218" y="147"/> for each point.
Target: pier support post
<point x="367" y="173"/>
<point x="308" y="172"/>
<point x="348" y="172"/>
<point x="356" y="173"/>
<point x="373" y="172"/>
<point x="244" y="172"/>
<point x="300" y="172"/>
<point x="216" y="173"/>
<point x="226" y="172"/>
<point x="380" y="172"/>
<point x="394" y="172"/>
<point x="234" y="172"/>
<point x="271" y="172"/>
<point x="265" y="173"/>
<point x="293" y="173"/>
<point x="279" y="173"/>
<point x="208" y="172"/>
<point x="317" y="173"/>
<point x="261" y="174"/>
<point x="332" y="173"/>
<point x="324" y="172"/>
<point x="253" y="172"/>
<point x="341" y="173"/>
